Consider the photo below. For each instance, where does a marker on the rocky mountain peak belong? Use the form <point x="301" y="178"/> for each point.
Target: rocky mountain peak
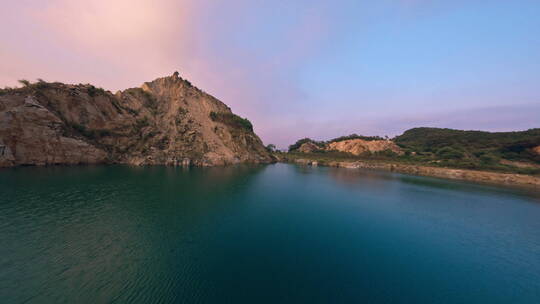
<point x="165" y="121"/>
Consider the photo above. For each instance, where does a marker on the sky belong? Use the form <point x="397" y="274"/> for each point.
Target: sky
<point x="303" y="68"/>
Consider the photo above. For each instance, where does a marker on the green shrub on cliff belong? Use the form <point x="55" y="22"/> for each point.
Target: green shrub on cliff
<point x="449" y="153"/>
<point x="302" y="141"/>
<point x="42" y="84"/>
<point x="355" y="136"/>
<point x="90" y="134"/>
<point x="25" y="82"/>
<point x="93" y="91"/>
<point x="232" y="120"/>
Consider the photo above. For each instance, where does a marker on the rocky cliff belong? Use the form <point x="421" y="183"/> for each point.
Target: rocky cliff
<point x="353" y="146"/>
<point x="310" y="147"/>
<point x="360" y="146"/>
<point x="166" y="121"/>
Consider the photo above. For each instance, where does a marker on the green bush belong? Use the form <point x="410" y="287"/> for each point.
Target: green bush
<point x="141" y="123"/>
<point x="182" y="111"/>
<point x="449" y="153"/>
<point x="232" y="120"/>
<point x="25" y="82"/>
<point x="102" y="133"/>
<point x="42" y="84"/>
<point x="386" y="153"/>
<point x="91" y="134"/>
<point x="355" y="136"/>
<point x="488" y="158"/>
<point x="79" y="128"/>
<point x="302" y="141"/>
<point x="93" y="91"/>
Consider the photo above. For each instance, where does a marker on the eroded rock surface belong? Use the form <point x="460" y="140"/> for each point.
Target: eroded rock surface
<point x="166" y="121"/>
<point x="359" y="146"/>
<point x="309" y="147"/>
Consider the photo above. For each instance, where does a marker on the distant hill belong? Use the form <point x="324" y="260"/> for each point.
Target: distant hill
<point x="517" y="152"/>
<point x="353" y="144"/>
<point x="322" y="145"/>
<point x="486" y="147"/>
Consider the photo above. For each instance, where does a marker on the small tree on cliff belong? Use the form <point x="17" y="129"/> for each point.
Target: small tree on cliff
<point x="24" y="82"/>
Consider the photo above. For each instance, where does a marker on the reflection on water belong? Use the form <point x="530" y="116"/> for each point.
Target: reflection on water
<point x="375" y="179"/>
<point x="277" y="233"/>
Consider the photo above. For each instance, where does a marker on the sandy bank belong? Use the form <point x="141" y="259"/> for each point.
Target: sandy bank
<point x="457" y="174"/>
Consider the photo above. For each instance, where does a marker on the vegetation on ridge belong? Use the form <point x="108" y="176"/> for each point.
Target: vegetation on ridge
<point x="510" y="152"/>
<point x="472" y="145"/>
<point x="302" y="141"/>
<point x="355" y="136"/>
<point x="321" y="144"/>
<point x="231" y="120"/>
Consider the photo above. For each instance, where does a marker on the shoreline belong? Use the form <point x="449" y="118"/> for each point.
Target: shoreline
<point x="510" y="179"/>
<point x="477" y="176"/>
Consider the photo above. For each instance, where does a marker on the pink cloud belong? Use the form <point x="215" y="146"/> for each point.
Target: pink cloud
<point x="122" y="43"/>
<point x="111" y="43"/>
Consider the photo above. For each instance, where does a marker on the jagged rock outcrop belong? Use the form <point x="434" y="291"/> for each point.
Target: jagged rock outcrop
<point x="354" y="146"/>
<point x="166" y="121"/>
<point x="360" y="146"/>
<point x="309" y="147"/>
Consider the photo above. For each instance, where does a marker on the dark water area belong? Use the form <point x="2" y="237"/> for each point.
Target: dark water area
<point x="262" y="234"/>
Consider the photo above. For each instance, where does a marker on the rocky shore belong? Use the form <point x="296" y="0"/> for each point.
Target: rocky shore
<point x="456" y="174"/>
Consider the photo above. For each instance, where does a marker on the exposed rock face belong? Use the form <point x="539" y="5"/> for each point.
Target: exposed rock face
<point x="536" y="150"/>
<point x="166" y="121"/>
<point x="309" y="147"/>
<point x="359" y="146"/>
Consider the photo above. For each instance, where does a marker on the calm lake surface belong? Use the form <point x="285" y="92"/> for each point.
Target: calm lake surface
<point x="263" y="234"/>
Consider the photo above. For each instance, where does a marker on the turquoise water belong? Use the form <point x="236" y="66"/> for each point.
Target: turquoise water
<point x="264" y="234"/>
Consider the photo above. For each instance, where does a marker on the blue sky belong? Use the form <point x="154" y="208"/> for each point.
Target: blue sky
<point x="299" y="68"/>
